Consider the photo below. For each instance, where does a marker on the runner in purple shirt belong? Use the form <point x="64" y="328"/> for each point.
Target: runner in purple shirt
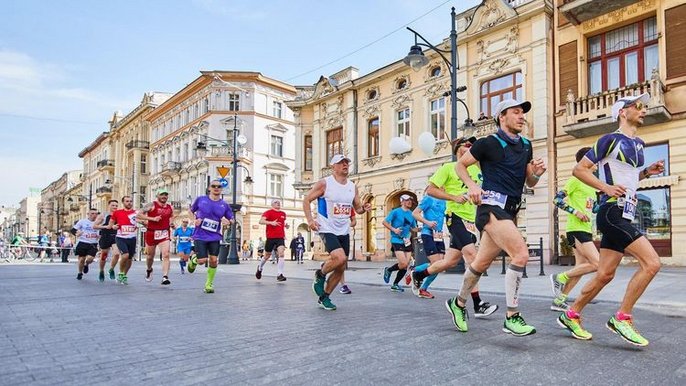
<point x="211" y="212"/>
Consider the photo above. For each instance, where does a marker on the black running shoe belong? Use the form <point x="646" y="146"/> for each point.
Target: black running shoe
<point x="165" y="280"/>
<point x="85" y="269"/>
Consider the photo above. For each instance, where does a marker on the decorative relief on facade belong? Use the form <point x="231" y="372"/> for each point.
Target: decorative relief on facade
<point x="401" y="83"/>
<point x="370" y="111"/>
<point x="618" y="16"/>
<point x="367" y="189"/>
<point x="491" y="16"/>
<point x="436" y="90"/>
<point x="440" y="145"/>
<point x="496" y="66"/>
<point x="430" y="73"/>
<point x="399" y="183"/>
<point x="401" y="101"/>
<point x="371" y="94"/>
<point x="371" y="161"/>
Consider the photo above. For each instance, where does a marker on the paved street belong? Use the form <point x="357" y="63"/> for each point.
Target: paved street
<point x="56" y="330"/>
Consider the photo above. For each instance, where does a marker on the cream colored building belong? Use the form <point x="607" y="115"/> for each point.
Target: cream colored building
<point x="98" y="166"/>
<point x="603" y="51"/>
<point x="205" y="112"/>
<point x="504" y="51"/>
<point x="54" y="213"/>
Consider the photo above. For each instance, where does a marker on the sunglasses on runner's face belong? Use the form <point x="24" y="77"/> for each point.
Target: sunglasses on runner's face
<point x="638" y="105"/>
<point x="215" y="186"/>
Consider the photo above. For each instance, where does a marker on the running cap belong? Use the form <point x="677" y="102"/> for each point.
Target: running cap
<point x="338" y="158"/>
<point x="162" y="191"/>
<point x="460" y="141"/>
<point x="627" y="101"/>
<point x="509" y="103"/>
<point x="405" y="197"/>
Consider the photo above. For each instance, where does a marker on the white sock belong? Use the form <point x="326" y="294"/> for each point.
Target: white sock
<point x="280" y="265"/>
<point x="513" y="281"/>
<point x="262" y="262"/>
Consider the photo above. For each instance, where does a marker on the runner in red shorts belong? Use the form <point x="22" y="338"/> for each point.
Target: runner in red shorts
<point x="159" y="215"/>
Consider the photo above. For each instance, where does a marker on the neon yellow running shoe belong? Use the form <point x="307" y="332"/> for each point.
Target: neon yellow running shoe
<point x="209" y="289"/>
<point x="574" y="326"/>
<point x="626" y="330"/>
<point x="192" y="264"/>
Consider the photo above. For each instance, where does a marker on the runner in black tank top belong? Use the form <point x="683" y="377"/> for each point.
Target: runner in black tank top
<point x="107" y="240"/>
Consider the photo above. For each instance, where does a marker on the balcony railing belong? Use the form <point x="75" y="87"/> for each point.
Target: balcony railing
<point x="178" y="205"/>
<point x="136" y="144"/>
<point x="579" y="11"/>
<point x="592" y="114"/>
<point x="480" y="129"/>
<point x="103" y="190"/>
<point x="517" y="3"/>
<point x="225" y="151"/>
<point x="171" y="167"/>
<point x="106" y="163"/>
<point x="325" y="172"/>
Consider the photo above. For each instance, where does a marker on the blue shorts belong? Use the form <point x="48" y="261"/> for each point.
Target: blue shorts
<point x="184" y="248"/>
<point x="431" y="246"/>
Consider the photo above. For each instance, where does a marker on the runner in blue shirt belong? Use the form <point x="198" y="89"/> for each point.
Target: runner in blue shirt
<point x="400" y="222"/>
<point x="182" y="235"/>
<point x="431" y="213"/>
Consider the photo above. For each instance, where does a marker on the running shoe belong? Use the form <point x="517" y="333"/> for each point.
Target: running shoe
<point x="416" y="283"/>
<point x="124" y="280"/>
<point x="111" y="272"/>
<point x="148" y="275"/>
<point x="318" y="283"/>
<point x="397" y="288"/>
<point x="281" y="277"/>
<point x="516" y="326"/>
<point x="165" y="280"/>
<point x="626" y="330"/>
<point x="345" y="290"/>
<point x="101" y="276"/>
<point x="559" y="305"/>
<point x="120" y="277"/>
<point x="85" y="269"/>
<point x="386" y="275"/>
<point x="326" y="304"/>
<point x="209" y="289"/>
<point x="574" y="326"/>
<point x="459" y="314"/>
<point x="192" y="264"/>
<point x="556" y="285"/>
<point x="258" y="273"/>
<point x="424" y="294"/>
<point x="485" y="309"/>
<point x="408" y="277"/>
<point x="79" y="276"/>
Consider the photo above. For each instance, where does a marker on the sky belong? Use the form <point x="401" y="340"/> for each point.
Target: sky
<point x="67" y="66"/>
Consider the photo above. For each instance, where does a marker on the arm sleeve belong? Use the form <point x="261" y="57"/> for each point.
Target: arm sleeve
<point x="560" y="202"/>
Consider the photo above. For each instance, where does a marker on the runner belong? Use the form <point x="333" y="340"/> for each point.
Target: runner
<point x="444" y="184"/>
<point x="620" y="159"/>
<point x="336" y="198"/>
<point x="107" y="240"/>
<point x="211" y="212"/>
<point x="159" y="216"/>
<point x="182" y="235"/>
<point x="124" y="221"/>
<point x="275" y="221"/>
<point x="577" y="199"/>
<point x="400" y="222"/>
<point x="507" y="163"/>
<point x="87" y="242"/>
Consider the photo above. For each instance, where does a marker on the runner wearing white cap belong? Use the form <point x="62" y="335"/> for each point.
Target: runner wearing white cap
<point x="620" y="161"/>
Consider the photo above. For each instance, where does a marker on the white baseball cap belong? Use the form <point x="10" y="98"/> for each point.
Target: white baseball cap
<point x="405" y="197"/>
<point x="509" y="103"/>
<point x="338" y="158"/>
<point x="627" y="101"/>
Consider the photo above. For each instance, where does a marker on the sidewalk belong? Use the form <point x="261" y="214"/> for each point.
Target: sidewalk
<point x="666" y="294"/>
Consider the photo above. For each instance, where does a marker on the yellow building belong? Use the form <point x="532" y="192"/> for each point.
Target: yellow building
<point x="605" y="50"/>
<point x="98" y="165"/>
<point x="504" y="50"/>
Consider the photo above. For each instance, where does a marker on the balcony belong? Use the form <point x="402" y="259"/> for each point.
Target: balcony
<point x="170" y="168"/>
<point x="592" y="115"/>
<point x="74" y="207"/>
<point x="325" y="172"/>
<point x="480" y="129"/>
<point x="178" y="205"/>
<point x="106" y="164"/>
<point x="103" y="191"/>
<point x="579" y="11"/>
<point x="136" y="144"/>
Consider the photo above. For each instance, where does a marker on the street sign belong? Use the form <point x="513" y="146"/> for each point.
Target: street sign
<point x="224" y="182"/>
<point x="222" y="170"/>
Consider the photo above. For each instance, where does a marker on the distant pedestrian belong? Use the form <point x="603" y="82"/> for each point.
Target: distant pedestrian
<point x="66" y="245"/>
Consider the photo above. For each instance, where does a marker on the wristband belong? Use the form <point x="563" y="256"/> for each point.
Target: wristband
<point x="534" y="175"/>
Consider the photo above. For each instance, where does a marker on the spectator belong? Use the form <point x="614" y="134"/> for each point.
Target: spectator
<point x="482" y="116"/>
<point x="66" y="244"/>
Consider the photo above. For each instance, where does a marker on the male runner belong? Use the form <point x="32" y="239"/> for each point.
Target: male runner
<point x="507" y="163"/>
<point x="183" y="235"/>
<point x="577" y="199"/>
<point x="211" y="212"/>
<point x="430" y="212"/>
<point x="336" y="198"/>
<point x="107" y="240"/>
<point x="124" y="221"/>
<point x="159" y="216"/>
<point x="400" y="222"/>
<point x="87" y="242"/>
<point x="444" y="184"/>
<point x="620" y="159"/>
<point x="275" y="221"/>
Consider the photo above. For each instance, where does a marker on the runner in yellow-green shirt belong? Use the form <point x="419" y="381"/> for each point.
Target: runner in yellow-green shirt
<point x="444" y="184"/>
<point x="579" y="201"/>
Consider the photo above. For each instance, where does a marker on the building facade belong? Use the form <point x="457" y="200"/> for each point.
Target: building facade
<point x="607" y="50"/>
<point x="192" y="139"/>
<point x="54" y="212"/>
<point x="98" y="166"/>
<point x="504" y="50"/>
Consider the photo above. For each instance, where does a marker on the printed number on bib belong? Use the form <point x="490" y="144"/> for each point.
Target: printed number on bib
<point x="629" y="211"/>
<point x="161" y="235"/>
<point x="184" y="239"/>
<point x="342" y="210"/>
<point x="407" y="242"/>
<point x="127" y="230"/>
<point x="470" y="227"/>
<point x="438" y="236"/>
<point x="494" y="198"/>
<point x="210" y="225"/>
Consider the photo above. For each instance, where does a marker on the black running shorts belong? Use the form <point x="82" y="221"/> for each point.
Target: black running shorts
<point x="581" y="237"/>
<point x="617" y="231"/>
<point x="333" y="242"/>
<point x="86" y="249"/>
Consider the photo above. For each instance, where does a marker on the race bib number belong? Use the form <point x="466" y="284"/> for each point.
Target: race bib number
<point x="127" y="230"/>
<point x="629" y="210"/>
<point x="589" y="204"/>
<point x="92" y="235"/>
<point x="407" y="242"/>
<point x="471" y="227"/>
<point x="161" y="235"/>
<point x="342" y="210"/>
<point x="184" y="239"/>
<point x="210" y="225"/>
<point x="494" y="198"/>
<point x="438" y="236"/>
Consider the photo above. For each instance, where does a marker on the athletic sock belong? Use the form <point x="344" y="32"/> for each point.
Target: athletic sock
<point x="469" y="281"/>
<point x="262" y="263"/>
<point x="280" y="263"/>
<point x="422" y="268"/>
<point x="324" y="296"/>
<point x="427" y="282"/>
<point x="393" y="267"/>
<point x="476" y="299"/>
<point x="563" y="278"/>
<point x="320" y="274"/>
<point x="513" y="282"/>
<point x="399" y="276"/>
<point x="622" y="316"/>
<point x="210" y="275"/>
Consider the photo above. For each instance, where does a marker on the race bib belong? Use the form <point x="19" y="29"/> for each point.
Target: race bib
<point x="494" y="198"/>
<point x="407" y="242"/>
<point x="184" y="239"/>
<point x="161" y="235"/>
<point x="438" y="236"/>
<point x="91" y="235"/>
<point x="471" y="227"/>
<point x="210" y="225"/>
<point x="127" y="230"/>
<point x="342" y="210"/>
<point x="629" y="207"/>
<point x="589" y="204"/>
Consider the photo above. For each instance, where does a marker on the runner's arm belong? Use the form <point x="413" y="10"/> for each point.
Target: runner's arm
<point x="560" y="202"/>
<point x="317" y="191"/>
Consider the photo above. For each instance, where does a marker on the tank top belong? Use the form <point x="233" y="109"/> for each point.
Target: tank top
<point x="107" y="232"/>
<point x="158" y="210"/>
<point x="335" y="207"/>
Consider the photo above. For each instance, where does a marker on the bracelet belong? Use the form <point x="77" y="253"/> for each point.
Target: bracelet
<point x="534" y="175"/>
<point x="644" y="173"/>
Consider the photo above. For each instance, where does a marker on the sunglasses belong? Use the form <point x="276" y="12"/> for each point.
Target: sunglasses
<point x="215" y="186"/>
<point x="638" y="105"/>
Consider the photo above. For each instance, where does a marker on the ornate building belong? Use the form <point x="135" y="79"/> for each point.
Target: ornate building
<point x="98" y="166"/>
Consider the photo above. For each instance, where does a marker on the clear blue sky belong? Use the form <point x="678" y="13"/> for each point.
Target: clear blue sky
<point x="66" y="66"/>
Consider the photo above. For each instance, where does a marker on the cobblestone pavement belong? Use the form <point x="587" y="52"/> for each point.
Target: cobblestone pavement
<point x="57" y="330"/>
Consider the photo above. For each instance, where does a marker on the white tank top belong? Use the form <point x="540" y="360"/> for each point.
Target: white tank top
<point x="335" y="207"/>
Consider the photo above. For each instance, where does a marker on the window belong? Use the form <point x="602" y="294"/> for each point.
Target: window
<point x="495" y="90"/>
<point x="276" y="146"/>
<point x="205" y="104"/>
<point x="623" y="56"/>
<point x="308" y="153"/>
<point x="275" y="185"/>
<point x="403" y="120"/>
<point x="277" y="109"/>
<point x="435" y="72"/>
<point x="371" y="95"/>
<point x="401" y="84"/>
<point x="653" y="212"/>
<point x="186" y="155"/>
<point x="233" y="102"/>
<point x="144" y="164"/>
<point x="373" y="137"/>
<point x="437" y="111"/>
<point x="334" y="143"/>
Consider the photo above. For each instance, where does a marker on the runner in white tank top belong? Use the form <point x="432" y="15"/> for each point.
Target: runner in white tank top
<point x="336" y="199"/>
